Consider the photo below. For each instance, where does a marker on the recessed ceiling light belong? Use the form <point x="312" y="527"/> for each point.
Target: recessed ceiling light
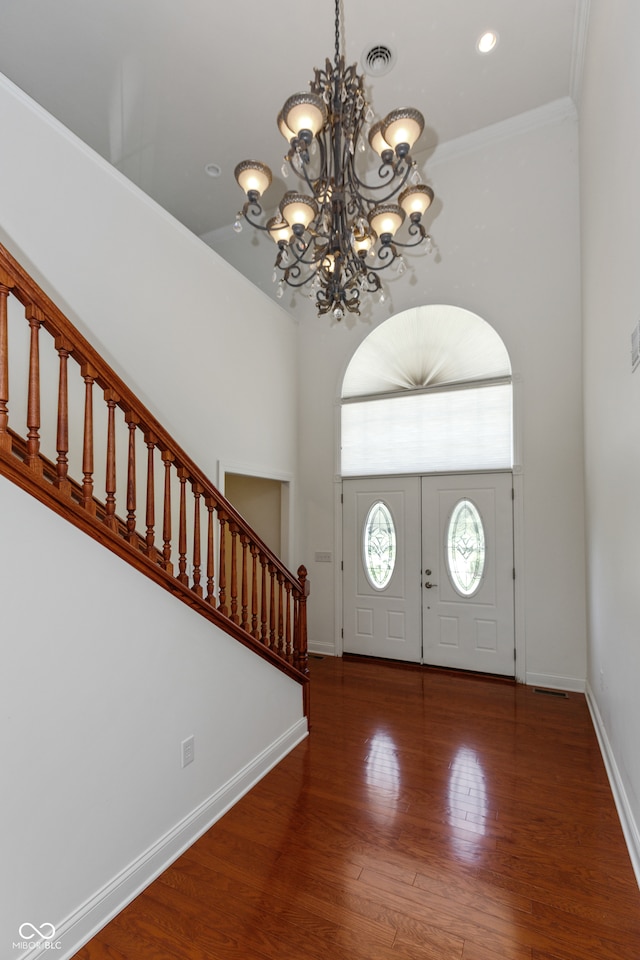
<point x="213" y="170"/>
<point x="487" y="42"/>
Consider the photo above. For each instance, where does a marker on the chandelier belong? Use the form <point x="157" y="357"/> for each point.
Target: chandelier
<point x="336" y="234"/>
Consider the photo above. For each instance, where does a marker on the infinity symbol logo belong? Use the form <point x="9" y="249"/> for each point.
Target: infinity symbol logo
<point x="46" y="932"/>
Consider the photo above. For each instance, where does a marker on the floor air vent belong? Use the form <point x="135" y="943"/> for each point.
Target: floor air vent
<point x="552" y="693"/>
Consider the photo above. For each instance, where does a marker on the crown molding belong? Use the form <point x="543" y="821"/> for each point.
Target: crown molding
<point x="578" y="52"/>
<point x="558" y="111"/>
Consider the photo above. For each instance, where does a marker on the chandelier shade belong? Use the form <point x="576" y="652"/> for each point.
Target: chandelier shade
<point x="253" y="176"/>
<point x="337" y="233"/>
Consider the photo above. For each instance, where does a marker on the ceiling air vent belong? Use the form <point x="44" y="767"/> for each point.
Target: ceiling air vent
<point x="378" y="59"/>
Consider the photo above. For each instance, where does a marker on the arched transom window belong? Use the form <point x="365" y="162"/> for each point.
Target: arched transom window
<point x="428" y="391"/>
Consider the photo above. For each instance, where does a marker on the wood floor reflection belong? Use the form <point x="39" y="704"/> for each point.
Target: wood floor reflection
<point x="428" y="817"/>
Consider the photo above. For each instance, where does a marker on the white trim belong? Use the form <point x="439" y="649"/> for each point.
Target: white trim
<point x="324" y="649"/>
<point x="625" y="813"/>
<point x="551" y="682"/>
<point x="556" y="112"/>
<point x="578" y="52"/>
<point x="86" y="921"/>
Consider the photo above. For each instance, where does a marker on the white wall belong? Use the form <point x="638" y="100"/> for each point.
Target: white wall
<point x="103" y="675"/>
<point x="610" y="160"/>
<point x="103" y="672"/>
<point x="506" y="228"/>
<point x="207" y="352"/>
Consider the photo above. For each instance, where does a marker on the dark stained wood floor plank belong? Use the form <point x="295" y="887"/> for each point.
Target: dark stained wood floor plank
<point x="429" y="816"/>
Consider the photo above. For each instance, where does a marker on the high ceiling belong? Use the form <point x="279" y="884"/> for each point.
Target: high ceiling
<point x="162" y="88"/>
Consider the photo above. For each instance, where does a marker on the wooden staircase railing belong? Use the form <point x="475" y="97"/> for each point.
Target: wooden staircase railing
<point x="193" y="542"/>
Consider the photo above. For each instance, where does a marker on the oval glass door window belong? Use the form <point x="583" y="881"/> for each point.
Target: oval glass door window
<point x="379" y="545"/>
<point x="465" y="548"/>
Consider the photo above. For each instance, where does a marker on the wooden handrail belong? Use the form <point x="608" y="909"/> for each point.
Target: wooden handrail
<point x="192" y="540"/>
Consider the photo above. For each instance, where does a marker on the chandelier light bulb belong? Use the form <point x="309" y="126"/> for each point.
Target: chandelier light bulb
<point x="376" y="141"/>
<point x="416" y="200"/>
<point x="286" y="132"/>
<point x="298" y="209"/>
<point x="386" y="219"/>
<point x="305" y="111"/>
<point x="253" y="176"/>
<point x="279" y="231"/>
<point x="402" y="127"/>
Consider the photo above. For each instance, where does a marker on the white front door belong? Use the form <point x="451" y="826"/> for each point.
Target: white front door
<point x="381" y="568"/>
<point x="467" y="557"/>
<point x="428" y="570"/>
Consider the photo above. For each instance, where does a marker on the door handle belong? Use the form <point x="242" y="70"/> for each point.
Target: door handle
<point x="429" y="585"/>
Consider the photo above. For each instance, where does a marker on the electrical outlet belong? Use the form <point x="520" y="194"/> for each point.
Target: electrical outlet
<point x="188" y="748"/>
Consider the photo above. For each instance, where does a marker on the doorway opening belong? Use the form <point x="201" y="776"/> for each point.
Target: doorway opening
<point x="427" y="458"/>
<point x="264" y="503"/>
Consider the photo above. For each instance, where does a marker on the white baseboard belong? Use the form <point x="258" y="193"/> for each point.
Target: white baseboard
<point x="573" y="684"/>
<point x="625" y="813"/>
<point x="87" y="920"/>
<point x="323" y="649"/>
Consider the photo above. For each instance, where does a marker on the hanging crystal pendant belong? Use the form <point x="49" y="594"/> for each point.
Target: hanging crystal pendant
<point x="280" y="290"/>
<point x="237" y="225"/>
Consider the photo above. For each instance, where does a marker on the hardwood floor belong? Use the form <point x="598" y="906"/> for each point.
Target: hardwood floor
<point x="427" y="817"/>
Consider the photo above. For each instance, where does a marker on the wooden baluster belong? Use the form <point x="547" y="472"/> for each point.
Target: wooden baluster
<point x="32" y="460"/>
<point x="300" y="659"/>
<point x="167" y="459"/>
<point x="210" y="597"/>
<point x="110" y="520"/>
<point x="263" y="603"/>
<point x="222" y="566"/>
<point x="281" y="649"/>
<point x="244" y="618"/>
<point x="6" y="283"/>
<point x="133" y="422"/>
<point x="150" y="517"/>
<point x="62" y="435"/>
<point x="88" y="375"/>
<point x="233" y="527"/>
<point x="287" y="639"/>
<point x="197" y="493"/>
<point x="254" y="591"/>
<point x="272" y="607"/>
<point x="183" y="474"/>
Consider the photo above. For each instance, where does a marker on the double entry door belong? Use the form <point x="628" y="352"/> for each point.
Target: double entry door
<point x="428" y="570"/>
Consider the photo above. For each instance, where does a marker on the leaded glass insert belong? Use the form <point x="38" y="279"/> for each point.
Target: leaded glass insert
<point x="465" y="548"/>
<point x="379" y="545"/>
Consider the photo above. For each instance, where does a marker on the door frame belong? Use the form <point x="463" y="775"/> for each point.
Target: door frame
<point x="518" y="559"/>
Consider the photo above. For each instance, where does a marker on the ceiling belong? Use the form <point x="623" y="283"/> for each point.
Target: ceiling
<point x="161" y="88"/>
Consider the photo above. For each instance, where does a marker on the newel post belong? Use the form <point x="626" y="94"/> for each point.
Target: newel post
<point x="300" y="637"/>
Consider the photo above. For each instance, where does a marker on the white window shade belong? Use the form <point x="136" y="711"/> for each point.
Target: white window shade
<point x="429" y="432"/>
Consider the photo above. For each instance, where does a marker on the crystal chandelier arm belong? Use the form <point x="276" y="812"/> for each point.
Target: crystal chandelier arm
<point x="252" y="208"/>
<point x="402" y="169"/>
<point x="417" y="230"/>
<point x="291" y="276"/>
